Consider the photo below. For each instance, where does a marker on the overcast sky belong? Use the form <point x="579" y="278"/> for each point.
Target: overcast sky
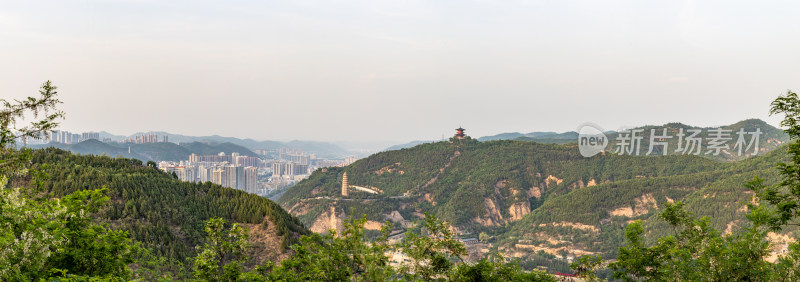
<point x="399" y="70"/>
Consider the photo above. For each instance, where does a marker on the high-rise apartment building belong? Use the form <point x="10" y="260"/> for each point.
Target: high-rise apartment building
<point x="218" y="177"/>
<point x="298" y="159"/>
<point x="277" y="169"/>
<point x="251" y="179"/>
<point x="246" y="161"/>
<point x="203" y="173"/>
<point x="90" y="135"/>
<point x="235" y="176"/>
<point x="145" y="138"/>
<point x="288" y="170"/>
<point x="241" y="181"/>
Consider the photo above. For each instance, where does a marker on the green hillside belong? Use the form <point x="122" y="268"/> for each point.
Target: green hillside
<point x="475" y="184"/>
<point x="537" y="200"/>
<point x="161" y="212"/>
<point x="592" y="219"/>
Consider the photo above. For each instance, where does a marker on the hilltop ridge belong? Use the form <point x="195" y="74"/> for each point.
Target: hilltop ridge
<point x="532" y="196"/>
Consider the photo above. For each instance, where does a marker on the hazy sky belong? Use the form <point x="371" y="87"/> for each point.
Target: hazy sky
<point x="399" y="70"/>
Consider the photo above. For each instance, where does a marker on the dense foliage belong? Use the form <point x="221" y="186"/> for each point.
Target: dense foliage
<point x="696" y="251"/>
<point x="432" y="254"/>
<point x="56" y="221"/>
<point x="163" y="213"/>
<point x="42" y="237"/>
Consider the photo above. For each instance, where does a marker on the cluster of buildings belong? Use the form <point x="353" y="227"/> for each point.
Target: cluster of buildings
<point x="233" y="158"/>
<point x="347" y="161"/>
<point x="60" y="136"/>
<point x="233" y="171"/>
<point x="273" y="169"/>
<point x="295" y="157"/>
<point x="146" y="138"/>
<point x="249" y="174"/>
<point x="291" y="164"/>
<point x="289" y="170"/>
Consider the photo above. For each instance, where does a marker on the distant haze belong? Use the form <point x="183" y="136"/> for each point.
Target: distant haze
<point x="366" y="71"/>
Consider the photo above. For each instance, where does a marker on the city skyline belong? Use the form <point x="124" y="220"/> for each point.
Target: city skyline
<point x="395" y="72"/>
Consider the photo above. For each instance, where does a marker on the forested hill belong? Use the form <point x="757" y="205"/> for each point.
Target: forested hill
<point x="161" y="212"/>
<point x="530" y="196"/>
<point x="474" y="185"/>
<point x="591" y="220"/>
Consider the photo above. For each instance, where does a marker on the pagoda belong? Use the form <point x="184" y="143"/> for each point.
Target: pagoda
<point x="460" y="133"/>
<point x="344" y="185"/>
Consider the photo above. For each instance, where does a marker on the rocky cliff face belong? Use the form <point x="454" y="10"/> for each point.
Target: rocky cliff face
<point x="519" y="210"/>
<point x="333" y="219"/>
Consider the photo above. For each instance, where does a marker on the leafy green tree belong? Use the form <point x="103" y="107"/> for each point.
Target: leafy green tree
<point x="784" y="197"/>
<point x="349" y="255"/>
<point x="13" y="161"/>
<point x="30" y="232"/>
<point x="221" y="258"/>
<point x="586" y="267"/>
<point x="332" y="257"/>
<point x="91" y="249"/>
<point x="495" y="269"/>
<point x="788" y="266"/>
<point x="698" y="252"/>
<point x="44" y="237"/>
<point x="151" y="267"/>
<point x="483" y="237"/>
<point x="433" y="252"/>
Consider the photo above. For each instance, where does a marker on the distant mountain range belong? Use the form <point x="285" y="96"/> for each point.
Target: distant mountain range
<point x="540" y="137"/>
<point x="770" y="138"/>
<point x="150" y="151"/>
<point x="335" y="151"/>
<point x="569" y="135"/>
<point x="407" y="145"/>
<point x="321" y="149"/>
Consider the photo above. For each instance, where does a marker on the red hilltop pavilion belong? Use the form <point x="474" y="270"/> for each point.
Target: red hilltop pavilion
<point x="460" y="133"/>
